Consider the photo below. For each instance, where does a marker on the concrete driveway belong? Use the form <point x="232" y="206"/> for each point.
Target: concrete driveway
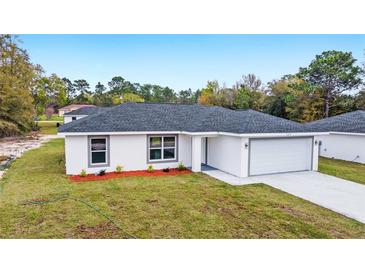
<point x="342" y="196"/>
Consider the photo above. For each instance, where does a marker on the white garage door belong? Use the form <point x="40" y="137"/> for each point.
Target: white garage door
<point x="280" y="155"/>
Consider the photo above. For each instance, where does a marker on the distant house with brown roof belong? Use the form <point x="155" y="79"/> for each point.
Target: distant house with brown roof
<point x="72" y="107"/>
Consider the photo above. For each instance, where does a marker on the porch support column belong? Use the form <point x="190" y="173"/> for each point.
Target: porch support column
<point x="196" y="153"/>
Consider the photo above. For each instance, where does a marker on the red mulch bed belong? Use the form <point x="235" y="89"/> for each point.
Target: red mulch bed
<point x="137" y="173"/>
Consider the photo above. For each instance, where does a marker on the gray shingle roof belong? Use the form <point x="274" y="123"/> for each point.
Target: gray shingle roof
<point x="87" y="111"/>
<point x="178" y="117"/>
<point x="347" y="122"/>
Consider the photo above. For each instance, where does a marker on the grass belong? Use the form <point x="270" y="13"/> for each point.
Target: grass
<point x="48" y="127"/>
<point x="343" y="169"/>
<point x="54" y="117"/>
<point x="183" y="206"/>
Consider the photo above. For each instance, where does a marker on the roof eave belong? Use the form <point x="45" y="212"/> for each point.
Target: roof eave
<point x="211" y="134"/>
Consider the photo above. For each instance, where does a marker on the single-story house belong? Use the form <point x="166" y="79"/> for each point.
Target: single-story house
<point x="72" y="107"/>
<point x="81" y="113"/>
<point x="136" y="135"/>
<point x="346" y="138"/>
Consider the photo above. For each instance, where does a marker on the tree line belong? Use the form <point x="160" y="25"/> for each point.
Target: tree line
<point x="331" y="84"/>
<point x="313" y="92"/>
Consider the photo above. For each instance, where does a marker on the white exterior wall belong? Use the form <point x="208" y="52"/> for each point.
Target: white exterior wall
<point x="343" y="147"/>
<point x="203" y="150"/>
<point x="245" y="157"/>
<point x="68" y="119"/>
<point x="315" y="152"/>
<point x="130" y="151"/>
<point x="226" y="153"/>
<point x="76" y="154"/>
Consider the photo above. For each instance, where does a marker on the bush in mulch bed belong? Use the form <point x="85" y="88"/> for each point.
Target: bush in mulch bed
<point x="137" y="173"/>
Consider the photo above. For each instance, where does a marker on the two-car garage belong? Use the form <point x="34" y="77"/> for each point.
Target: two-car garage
<point x="276" y="155"/>
<point x="256" y="155"/>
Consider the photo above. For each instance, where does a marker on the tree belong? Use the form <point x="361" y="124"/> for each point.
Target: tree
<point x="279" y="95"/>
<point x="131" y="97"/>
<point x="287" y="99"/>
<point x="242" y="98"/>
<point x="84" y="95"/>
<point x="209" y="93"/>
<point x="116" y="85"/>
<point x="49" y="90"/>
<point x="332" y="72"/>
<point x="360" y="100"/>
<point x="100" y="98"/>
<point x="145" y="91"/>
<point x="162" y="94"/>
<point x="81" y="86"/>
<point x="70" y="90"/>
<point x="249" y="93"/>
<point x="100" y="88"/>
<point x="343" y="103"/>
<point x="17" y="82"/>
<point x="185" y="96"/>
<point x="251" y="82"/>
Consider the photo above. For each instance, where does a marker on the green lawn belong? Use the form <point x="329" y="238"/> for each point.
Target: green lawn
<point x="347" y="170"/>
<point x="48" y="127"/>
<point x="54" y="117"/>
<point x="183" y="206"/>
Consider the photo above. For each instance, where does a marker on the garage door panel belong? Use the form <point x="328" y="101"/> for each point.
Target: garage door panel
<point x="280" y="155"/>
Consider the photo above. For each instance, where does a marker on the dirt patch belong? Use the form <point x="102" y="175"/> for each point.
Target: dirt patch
<point x="293" y="212"/>
<point x="104" y="230"/>
<point x="16" y="146"/>
<point x="137" y="173"/>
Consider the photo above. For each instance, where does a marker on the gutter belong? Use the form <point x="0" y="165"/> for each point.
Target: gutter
<point x="205" y="134"/>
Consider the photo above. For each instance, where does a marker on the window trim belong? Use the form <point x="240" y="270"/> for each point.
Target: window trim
<point x="107" y="151"/>
<point x="162" y="160"/>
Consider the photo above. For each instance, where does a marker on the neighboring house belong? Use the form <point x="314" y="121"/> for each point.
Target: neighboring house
<point x="72" y="107"/>
<point x="82" y="112"/>
<point x="135" y="135"/>
<point x="346" y="138"/>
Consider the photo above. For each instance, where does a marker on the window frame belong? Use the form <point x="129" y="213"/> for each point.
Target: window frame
<point x="162" y="160"/>
<point x="107" y="151"/>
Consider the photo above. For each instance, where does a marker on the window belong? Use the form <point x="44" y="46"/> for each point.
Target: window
<point x="73" y="118"/>
<point x="98" y="151"/>
<point x="162" y="148"/>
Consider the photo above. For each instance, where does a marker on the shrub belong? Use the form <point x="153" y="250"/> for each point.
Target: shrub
<point x="181" y="166"/>
<point x="35" y="126"/>
<point x="119" y="169"/>
<point x="83" y="173"/>
<point x="8" y="129"/>
<point x="166" y="169"/>
<point x="150" y="168"/>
